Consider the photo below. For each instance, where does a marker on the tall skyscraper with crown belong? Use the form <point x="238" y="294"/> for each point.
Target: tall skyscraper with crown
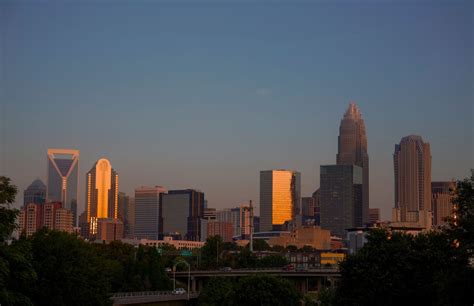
<point x="352" y="150"/>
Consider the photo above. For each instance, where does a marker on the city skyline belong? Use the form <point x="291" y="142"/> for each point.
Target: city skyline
<point x="134" y="111"/>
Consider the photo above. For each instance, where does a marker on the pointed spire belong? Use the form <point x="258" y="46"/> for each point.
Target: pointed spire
<point x="352" y="111"/>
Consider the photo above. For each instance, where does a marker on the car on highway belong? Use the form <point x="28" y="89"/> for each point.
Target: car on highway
<point x="179" y="291"/>
<point x="226" y="269"/>
<point x="288" y="267"/>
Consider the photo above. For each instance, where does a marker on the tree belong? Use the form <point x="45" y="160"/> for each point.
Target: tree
<point x="264" y="289"/>
<point x="16" y="272"/>
<point x="7" y="215"/>
<point x="260" y="245"/>
<point x="272" y="261"/>
<point x="210" y="252"/>
<point x="69" y="271"/>
<point x="217" y="291"/>
<point x="429" y="268"/>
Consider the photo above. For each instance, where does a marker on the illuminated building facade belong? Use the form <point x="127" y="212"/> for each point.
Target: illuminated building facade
<point x="280" y="196"/>
<point x="63" y="178"/>
<point x="102" y="183"/>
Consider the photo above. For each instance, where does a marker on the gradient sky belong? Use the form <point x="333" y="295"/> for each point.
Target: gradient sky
<point x="205" y="95"/>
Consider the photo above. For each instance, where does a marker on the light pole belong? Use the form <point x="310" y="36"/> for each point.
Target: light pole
<point x="174" y="273"/>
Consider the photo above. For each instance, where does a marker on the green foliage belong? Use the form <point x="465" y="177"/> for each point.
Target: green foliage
<point x="17" y="274"/>
<point x="259" y="289"/>
<point x="7" y="191"/>
<point x="260" y="245"/>
<point x="461" y="229"/>
<point x="211" y="251"/>
<point x="272" y="261"/>
<point x="69" y="271"/>
<point x="263" y="289"/>
<point x="428" y="269"/>
<point x="217" y="291"/>
<point x="7" y="215"/>
<point x="326" y="296"/>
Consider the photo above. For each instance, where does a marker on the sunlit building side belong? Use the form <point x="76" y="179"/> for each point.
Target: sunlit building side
<point x="280" y="196"/>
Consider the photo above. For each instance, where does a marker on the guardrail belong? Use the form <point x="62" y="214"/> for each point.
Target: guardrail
<point x="148" y="293"/>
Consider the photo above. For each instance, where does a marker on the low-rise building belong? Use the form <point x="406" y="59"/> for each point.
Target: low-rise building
<point x="178" y="244"/>
<point x="313" y="236"/>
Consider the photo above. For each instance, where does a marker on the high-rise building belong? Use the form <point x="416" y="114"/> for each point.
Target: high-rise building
<point x="35" y="216"/>
<point x="35" y="193"/>
<point x="126" y="213"/>
<point x="317" y="207"/>
<point x="129" y="230"/>
<point x="147" y="212"/>
<point x="341" y="198"/>
<point x="182" y="212"/>
<point x="102" y="183"/>
<point x="280" y="196"/>
<point x="307" y="206"/>
<point x="441" y="205"/>
<point x="412" y="169"/>
<point x="63" y="178"/>
<point x="352" y="150"/>
<point x="374" y="215"/>
<point x="256" y="224"/>
<point x="220" y="228"/>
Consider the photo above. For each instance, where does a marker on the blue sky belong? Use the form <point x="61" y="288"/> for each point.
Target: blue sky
<point x="206" y="94"/>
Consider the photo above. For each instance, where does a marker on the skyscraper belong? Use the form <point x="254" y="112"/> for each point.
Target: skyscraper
<point x="147" y="212"/>
<point x="63" y="178"/>
<point x="352" y="150"/>
<point x="35" y="193"/>
<point x="182" y="212"/>
<point x="280" y="196"/>
<point x="317" y="207"/>
<point x="441" y="204"/>
<point x="126" y="213"/>
<point x="101" y="194"/>
<point x="412" y="169"/>
<point x="341" y="198"/>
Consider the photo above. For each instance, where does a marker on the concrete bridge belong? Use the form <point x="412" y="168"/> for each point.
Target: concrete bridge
<point x="164" y="298"/>
<point x="305" y="280"/>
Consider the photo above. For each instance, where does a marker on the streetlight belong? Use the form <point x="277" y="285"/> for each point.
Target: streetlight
<point x="174" y="273"/>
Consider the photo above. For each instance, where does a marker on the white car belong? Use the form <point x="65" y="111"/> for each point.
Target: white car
<point x="179" y="291"/>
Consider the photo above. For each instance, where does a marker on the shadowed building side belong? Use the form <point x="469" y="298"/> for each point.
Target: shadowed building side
<point x="412" y="169"/>
<point x="352" y="150"/>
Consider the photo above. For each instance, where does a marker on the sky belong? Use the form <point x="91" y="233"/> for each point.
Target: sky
<point x="205" y="94"/>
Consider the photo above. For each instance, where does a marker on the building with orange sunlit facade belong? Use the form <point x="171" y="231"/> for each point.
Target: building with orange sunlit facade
<point x="101" y="195"/>
<point x="280" y="195"/>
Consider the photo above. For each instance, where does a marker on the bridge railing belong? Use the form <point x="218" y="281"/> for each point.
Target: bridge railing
<point x="144" y="293"/>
